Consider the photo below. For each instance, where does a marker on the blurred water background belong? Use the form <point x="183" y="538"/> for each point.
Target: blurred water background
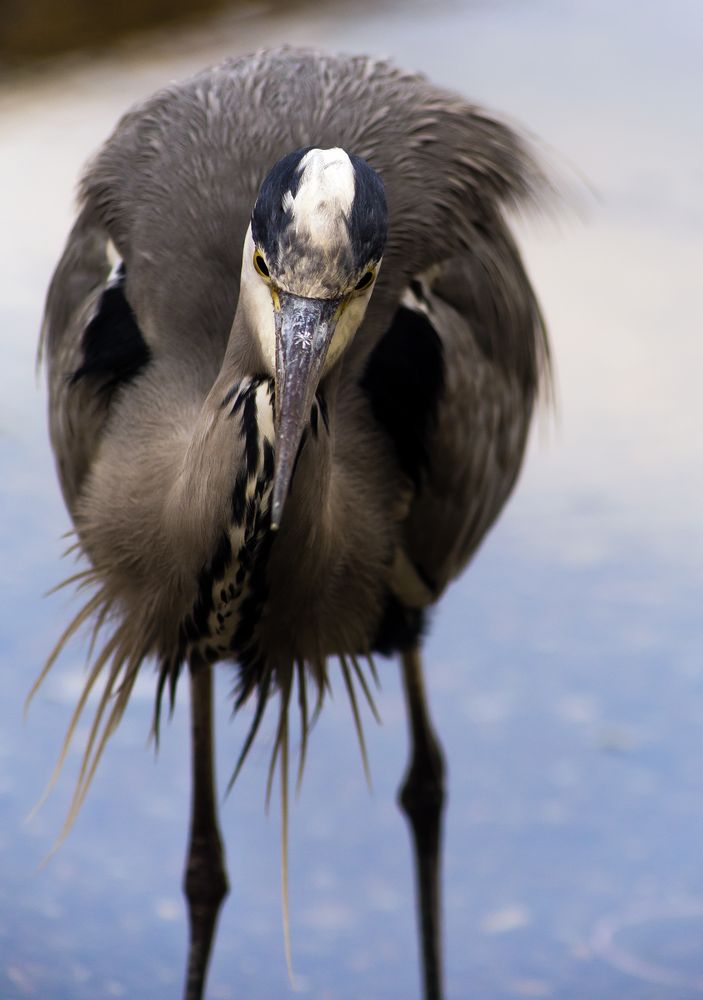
<point x="565" y="667"/>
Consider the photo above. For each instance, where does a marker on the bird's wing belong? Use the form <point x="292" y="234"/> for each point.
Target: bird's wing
<point x="454" y="382"/>
<point x="92" y="345"/>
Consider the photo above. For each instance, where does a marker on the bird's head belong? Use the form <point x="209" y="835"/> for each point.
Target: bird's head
<point x="311" y="256"/>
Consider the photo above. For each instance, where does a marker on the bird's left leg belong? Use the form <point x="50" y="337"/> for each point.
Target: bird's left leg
<point x="421" y="797"/>
<point x="205" y="883"/>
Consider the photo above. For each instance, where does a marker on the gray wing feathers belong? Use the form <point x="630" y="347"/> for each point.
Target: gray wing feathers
<point x="496" y="360"/>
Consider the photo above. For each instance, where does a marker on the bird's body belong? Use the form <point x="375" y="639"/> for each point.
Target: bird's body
<point x="164" y="412"/>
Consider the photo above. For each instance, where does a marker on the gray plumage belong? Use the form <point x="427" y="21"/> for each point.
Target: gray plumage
<point x="385" y="508"/>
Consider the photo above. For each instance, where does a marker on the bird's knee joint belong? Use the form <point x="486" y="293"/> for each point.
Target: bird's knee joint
<point x="423" y="789"/>
<point x="205" y="880"/>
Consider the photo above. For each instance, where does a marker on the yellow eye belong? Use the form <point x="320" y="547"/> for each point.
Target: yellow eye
<point x="364" y="281"/>
<point x="261" y="265"/>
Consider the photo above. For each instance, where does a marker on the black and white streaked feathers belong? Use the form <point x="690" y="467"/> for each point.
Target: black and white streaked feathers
<point x="231" y="590"/>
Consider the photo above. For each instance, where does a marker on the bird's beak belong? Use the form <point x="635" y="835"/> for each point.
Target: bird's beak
<point x="304" y="329"/>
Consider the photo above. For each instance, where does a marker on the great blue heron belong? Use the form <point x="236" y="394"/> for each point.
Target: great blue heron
<point x="290" y="465"/>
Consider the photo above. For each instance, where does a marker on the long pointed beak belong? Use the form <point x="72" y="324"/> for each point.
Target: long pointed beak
<point x="304" y="329"/>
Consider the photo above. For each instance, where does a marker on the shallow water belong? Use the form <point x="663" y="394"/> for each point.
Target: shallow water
<point x="565" y="667"/>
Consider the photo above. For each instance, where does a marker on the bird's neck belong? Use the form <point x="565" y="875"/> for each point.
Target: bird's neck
<point x="307" y="502"/>
<point x="305" y="516"/>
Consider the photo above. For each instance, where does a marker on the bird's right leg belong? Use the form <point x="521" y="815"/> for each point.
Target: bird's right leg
<point x="205" y="883"/>
<point x="421" y="797"/>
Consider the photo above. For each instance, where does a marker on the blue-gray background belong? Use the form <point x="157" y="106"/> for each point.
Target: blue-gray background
<point x="565" y="667"/>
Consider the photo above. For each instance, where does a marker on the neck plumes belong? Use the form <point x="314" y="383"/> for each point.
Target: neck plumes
<point x="232" y="474"/>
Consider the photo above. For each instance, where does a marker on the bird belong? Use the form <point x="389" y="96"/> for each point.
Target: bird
<point x="293" y="356"/>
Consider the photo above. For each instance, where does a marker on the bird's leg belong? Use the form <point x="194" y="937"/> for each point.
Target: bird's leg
<point x="421" y="797"/>
<point x="205" y="883"/>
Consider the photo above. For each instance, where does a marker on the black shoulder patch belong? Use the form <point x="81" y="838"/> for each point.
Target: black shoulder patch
<point x="404" y="380"/>
<point x="114" y="349"/>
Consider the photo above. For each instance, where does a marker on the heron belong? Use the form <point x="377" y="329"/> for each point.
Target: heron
<point x="293" y="355"/>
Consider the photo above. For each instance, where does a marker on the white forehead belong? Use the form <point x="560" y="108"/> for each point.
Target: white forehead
<point x="324" y="197"/>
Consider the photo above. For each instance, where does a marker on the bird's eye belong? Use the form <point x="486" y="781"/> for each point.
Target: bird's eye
<point x="261" y="265"/>
<point x="364" y="281"/>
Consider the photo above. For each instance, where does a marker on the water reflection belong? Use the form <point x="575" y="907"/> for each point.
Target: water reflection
<point x="566" y="673"/>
